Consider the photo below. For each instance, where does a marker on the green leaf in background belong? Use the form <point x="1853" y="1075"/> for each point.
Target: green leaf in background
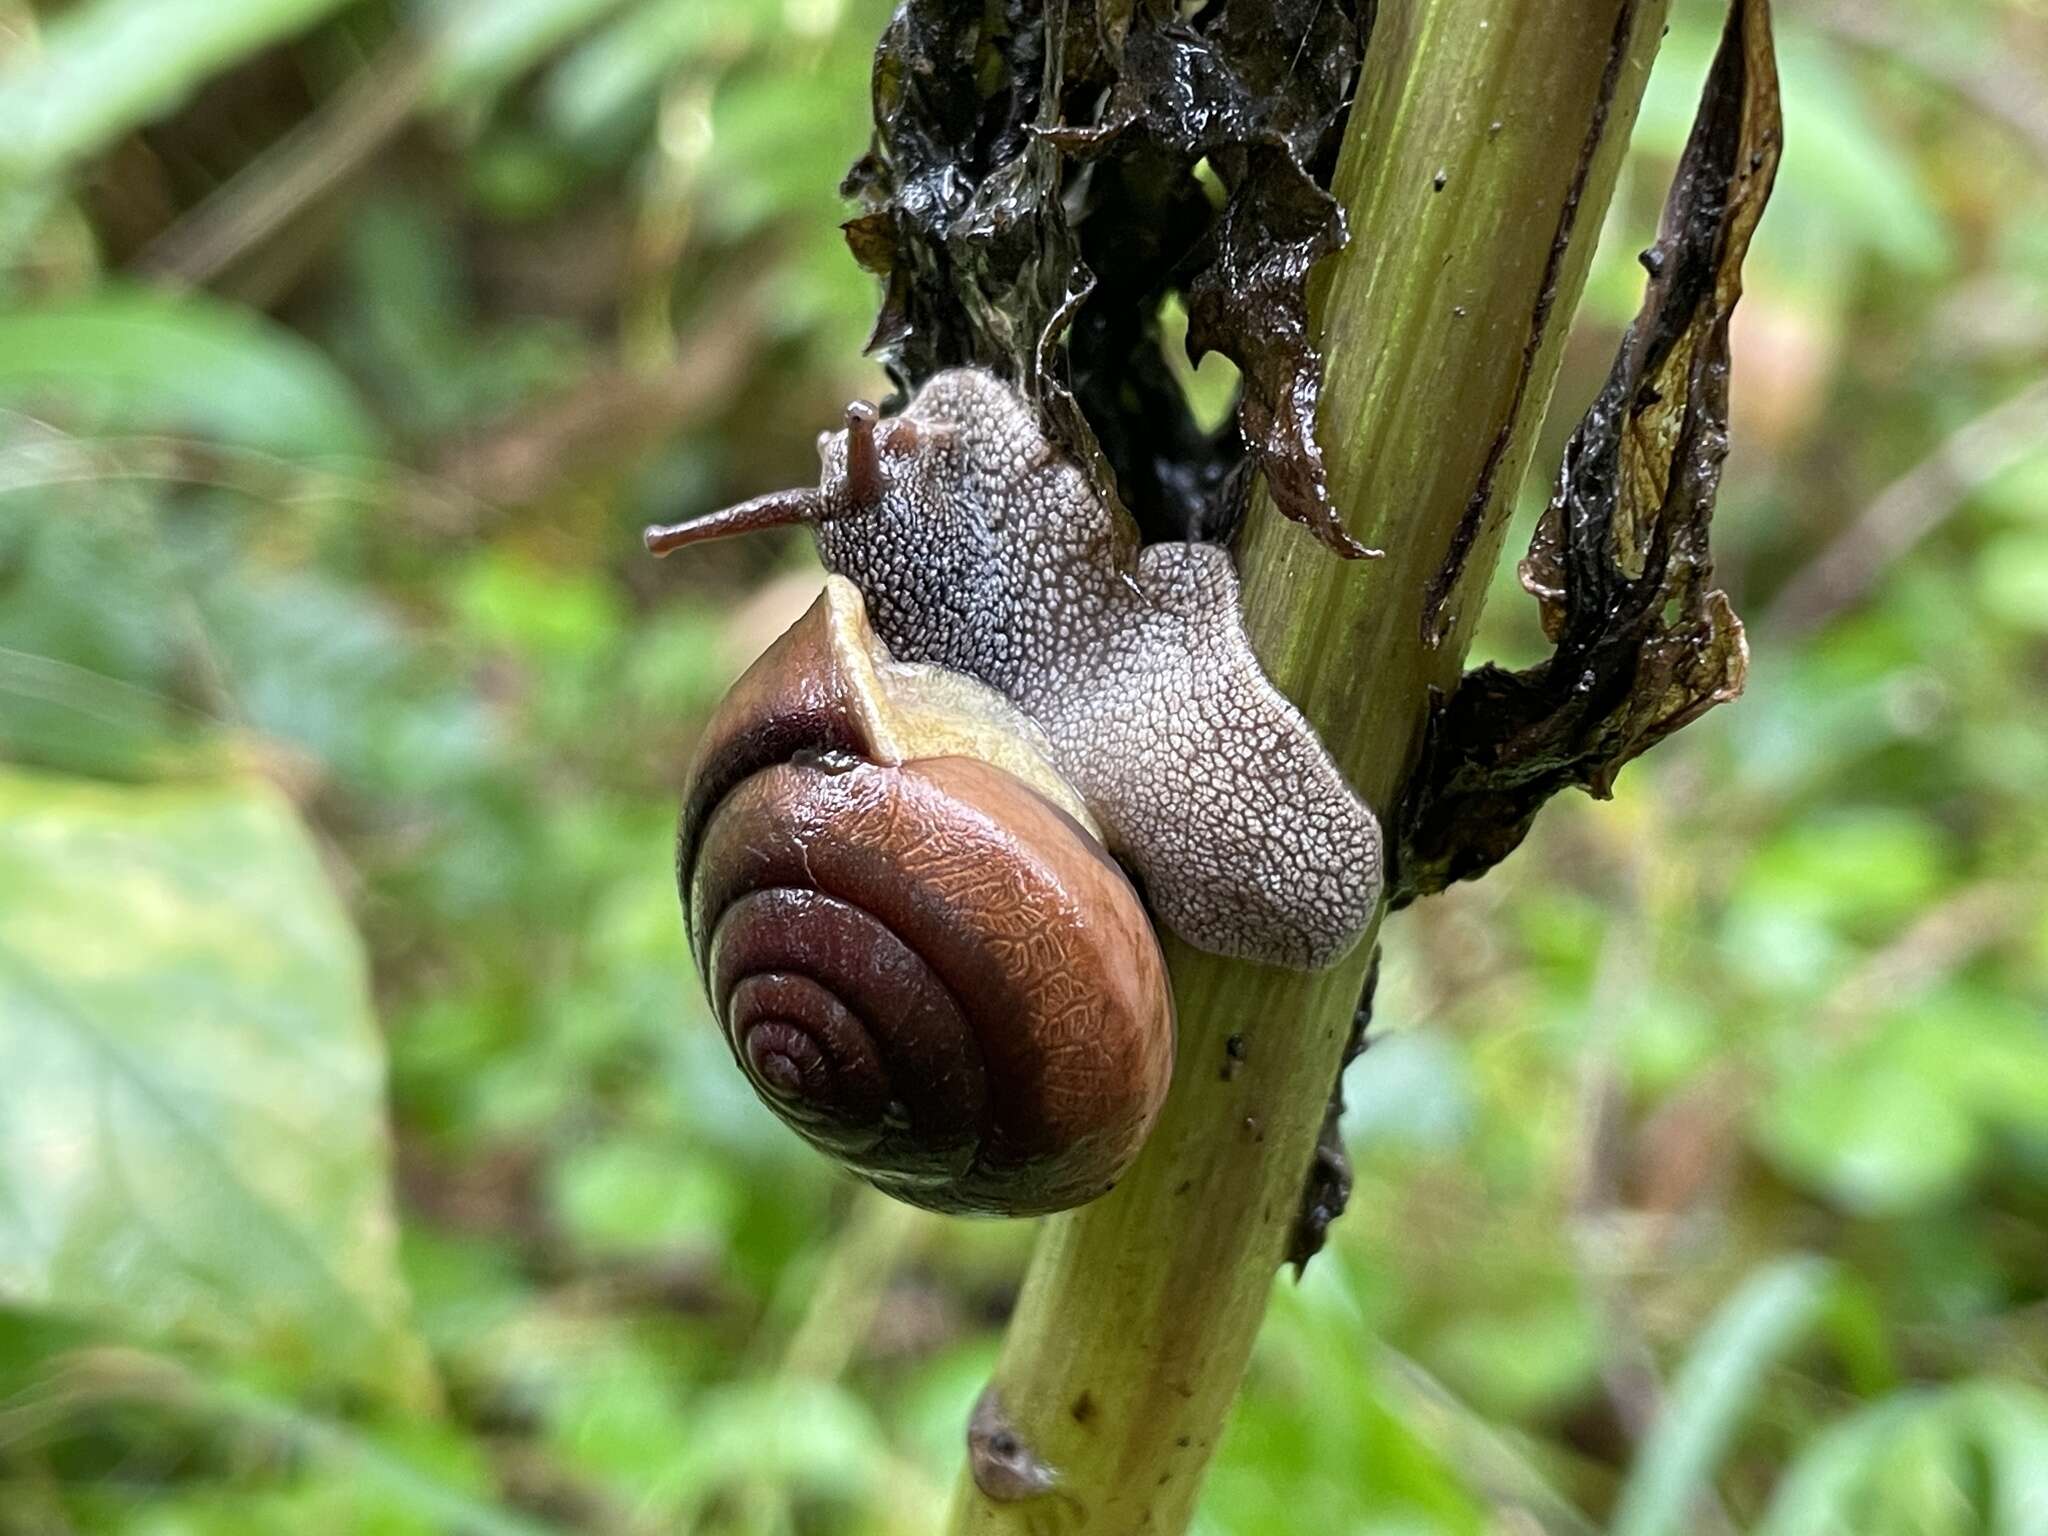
<point x="1813" y="1498"/>
<point x="484" y="44"/>
<point x="307" y="1472"/>
<point x="56" y="715"/>
<point x="2012" y="579"/>
<point x="106" y="66"/>
<point x="1970" y="1460"/>
<point x="1840" y="1129"/>
<point x="127" y="361"/>
<point x="1844" y="190"/>
<point x="1959" y="1068"/>
<point x="641" y="1193"/>
<point x="1336" y="1421"/>
<point x="623" y="65"/>
<point x="790" y="1433"/>
<point x="2019" y="492"/>
<point x="191" y="1138"/>
<point x="1765" y="1317"/>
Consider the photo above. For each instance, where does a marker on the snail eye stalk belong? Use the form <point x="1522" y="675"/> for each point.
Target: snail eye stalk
<point x="778" y="509"/>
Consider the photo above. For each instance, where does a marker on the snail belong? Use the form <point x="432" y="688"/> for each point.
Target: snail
<point x="921" y="954"/>
<point x="980" y="547"/>
<point x="901" y="841"/>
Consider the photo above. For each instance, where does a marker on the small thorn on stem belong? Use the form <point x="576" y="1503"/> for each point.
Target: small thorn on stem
<point x="1004" y="1467"/>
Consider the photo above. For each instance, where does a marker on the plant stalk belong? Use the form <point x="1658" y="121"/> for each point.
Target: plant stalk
<point x="1479" y="160"/>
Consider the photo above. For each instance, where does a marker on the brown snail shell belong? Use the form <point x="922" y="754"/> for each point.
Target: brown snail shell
<point x="919" y="951"/>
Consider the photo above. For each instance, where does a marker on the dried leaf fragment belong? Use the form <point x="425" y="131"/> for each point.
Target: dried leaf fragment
<point x="1032" y="198"/>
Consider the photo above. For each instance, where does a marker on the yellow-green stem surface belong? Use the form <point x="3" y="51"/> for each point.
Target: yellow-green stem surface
<point x="1479" y="161"/>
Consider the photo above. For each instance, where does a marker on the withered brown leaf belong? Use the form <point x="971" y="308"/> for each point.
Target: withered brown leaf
<point x="1032" y="199"/>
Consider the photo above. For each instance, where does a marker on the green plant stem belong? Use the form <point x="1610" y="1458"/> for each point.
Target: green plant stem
<point x="1479" y="160"/>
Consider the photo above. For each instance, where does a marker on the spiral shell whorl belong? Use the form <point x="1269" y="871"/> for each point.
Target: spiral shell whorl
<point x="927" y="968"/>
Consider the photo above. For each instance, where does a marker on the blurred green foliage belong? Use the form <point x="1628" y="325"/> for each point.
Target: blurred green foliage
<point x="368" y="1163"/>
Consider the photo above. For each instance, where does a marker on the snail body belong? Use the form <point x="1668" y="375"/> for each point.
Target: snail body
<point x="980" y="548"/>
<point x="920" y="953"/>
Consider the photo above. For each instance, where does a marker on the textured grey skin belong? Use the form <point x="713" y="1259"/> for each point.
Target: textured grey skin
<point x="979" y="547"/>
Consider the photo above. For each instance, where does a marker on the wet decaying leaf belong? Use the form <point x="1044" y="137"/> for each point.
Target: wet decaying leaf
<point x="1043" y="178"/>
<point x="1620" y="562"/>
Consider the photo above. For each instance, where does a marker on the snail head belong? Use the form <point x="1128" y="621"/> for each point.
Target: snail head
<point x="861" y="463"/>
